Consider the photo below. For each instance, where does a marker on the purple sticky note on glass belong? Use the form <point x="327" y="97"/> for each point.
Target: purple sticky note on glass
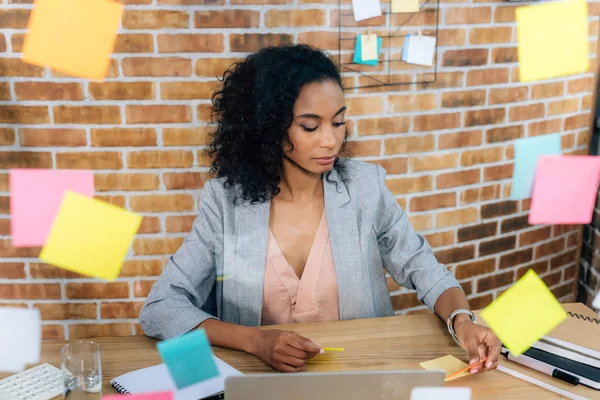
<point x="35" y="196"/>
<point x="564" y="189"/>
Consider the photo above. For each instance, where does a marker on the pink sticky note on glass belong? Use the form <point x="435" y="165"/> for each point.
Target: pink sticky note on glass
<point x="142" y="396"/>
<point x="564" y="189"/>
<point x="35" y="196"/>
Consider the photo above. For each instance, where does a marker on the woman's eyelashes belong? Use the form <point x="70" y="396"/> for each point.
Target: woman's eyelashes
<point x="312" y="129"/>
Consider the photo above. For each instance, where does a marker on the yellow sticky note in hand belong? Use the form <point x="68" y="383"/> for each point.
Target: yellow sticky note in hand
<point x="405" y="6"/>
<point x="90" y="237"/>
<point x="368" y="51"/>
<point x="449" y="364"/>
<point x="524" y="313"/>
<point x="553" y="39"/>
<point x="72" y="36"/>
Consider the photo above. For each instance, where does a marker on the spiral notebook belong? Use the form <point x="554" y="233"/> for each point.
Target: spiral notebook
<point x="158" y="379"/>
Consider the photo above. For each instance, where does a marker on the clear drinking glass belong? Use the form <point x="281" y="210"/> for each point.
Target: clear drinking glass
<point x="82" y="371"/>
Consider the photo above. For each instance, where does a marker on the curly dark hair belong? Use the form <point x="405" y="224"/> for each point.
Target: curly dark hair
<point x="253" y="110"/>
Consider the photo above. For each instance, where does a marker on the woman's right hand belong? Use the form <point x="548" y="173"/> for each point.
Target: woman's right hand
<point x="285" y="351"/>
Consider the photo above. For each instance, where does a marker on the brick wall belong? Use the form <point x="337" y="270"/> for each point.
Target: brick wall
<point x="589" y="261"/>
<point x="447" y="146"/>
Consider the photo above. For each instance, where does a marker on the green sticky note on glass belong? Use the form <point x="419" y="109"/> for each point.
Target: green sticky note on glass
<point x="524" y="313"/>
<point x="189" y="358"/>
<point x="527" y="153"/>
<point x="358" y="53"/>
<point x="553" y="39"/>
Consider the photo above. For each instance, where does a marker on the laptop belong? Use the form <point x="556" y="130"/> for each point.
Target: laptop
<point x="356" y="385"/>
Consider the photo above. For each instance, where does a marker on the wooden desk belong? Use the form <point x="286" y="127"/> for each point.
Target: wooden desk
<point x="390" y="343"/>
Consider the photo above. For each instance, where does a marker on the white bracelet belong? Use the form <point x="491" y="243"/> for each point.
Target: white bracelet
<point x="450" y="321"/>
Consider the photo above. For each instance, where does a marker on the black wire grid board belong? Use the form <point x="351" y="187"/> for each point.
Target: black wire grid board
<point x="392" y="28"/>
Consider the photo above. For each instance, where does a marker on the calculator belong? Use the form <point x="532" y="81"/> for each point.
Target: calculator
<point x="43" y="382"/>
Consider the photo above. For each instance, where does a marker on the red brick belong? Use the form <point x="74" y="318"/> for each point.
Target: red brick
<point x="465" y="58"/>
<point x="249" y="42"/>
<point x="10" y="67"/>
<point x="495" y="281"/>
<point x="482" y="156"/>
<point x="379" y="126"/>
<point x="498" y="172"/>
<point x="545" y="90"/>
<point x="474" y="232"/>
<point x="15" y="18"/>
<point x="121" y="310"/>
<point x="17" y="114"/>
<point x="458" y="178"/>
<point x="495" y="35"/>
<point x="186" y="90"/>
<point x="504" y="55"/>
<point x="111" y="290"/>
<point x="553" y="247"/>
<point x="393" y="166"/>
<point x="440" y="239"/>
<point x="467" y="15"/>
<point x="581" y="85"/>
<point x="89" y="160"/>
<point x="296" y="17"/>
<point x="505" y="14"/>
<point x="488" y="77"/>
<point x="469" y="98"/>
<point x="508" y="95"/>
<point x="158" y="114"/>
<point x="185" y="180"/>
<point x="65" y="311"/>
<point x="123" y="137"/>
<point x="25" y="159"/>
<point x="180" y="223"/>
<point x="515" y="258"/>
<point x="539" y="267"/>
<point x="434" y="162"/>
<point x="155" y="19"/>
<point x="122" y="90"/>
<point x="485" y="117"/>
<point x="30" y="291"/>
<point x="190" y="43"/>
<point x="530" y="111"/>
<point x="152" y="246"/>
<point x="12" y="270"/>
<point x="563" y="106"/>
<point x="457" y="217"/>
<point x="505" y="133"/>
<point x="455" y="254"/>
<point x="409" y="144"/>
<point x="87" y="114"/>
<point x="545" y="126"/>
<point x="432" y="202"/>
<point x="52" y="137"/>
<point x="498" y="209"/>
<point x="459" y="139"/>
<point x="85" y="331"/>
<point x="409" y="102"/>
<point x="534" y="236"/>
<point x="155" y="67"/>
<point x="162" y="203"/>
<point x="134" y="43"/>
<point x="474" y="268"/>
<point x="66" y="91"/>
<point x="46" y="271"/>
<point x="410" y="184"/>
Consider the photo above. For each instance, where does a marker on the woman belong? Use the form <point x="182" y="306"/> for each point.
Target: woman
<point x="289" y="231"/>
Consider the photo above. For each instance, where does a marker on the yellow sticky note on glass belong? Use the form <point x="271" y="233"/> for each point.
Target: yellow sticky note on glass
<point x="405" y="6"/>
<point x="449" y="364"/>
<point x="368" y="45"/>
<point x="553" y="40"/>
<point x="524" y="313"/>
<point x="73" y="37"/>
<point x="90" y="237"/>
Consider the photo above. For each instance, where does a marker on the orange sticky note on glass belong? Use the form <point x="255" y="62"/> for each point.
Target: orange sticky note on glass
<point x="73" y="37"/>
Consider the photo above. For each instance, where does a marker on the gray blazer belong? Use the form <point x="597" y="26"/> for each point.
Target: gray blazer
<point x="218" y="271"/>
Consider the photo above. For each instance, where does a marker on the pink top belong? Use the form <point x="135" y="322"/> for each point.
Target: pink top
<point x="288" y="299"/>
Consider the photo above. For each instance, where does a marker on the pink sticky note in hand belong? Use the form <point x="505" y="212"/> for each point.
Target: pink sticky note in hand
<point x="142" y="396"/>
<point x="35" y="196"/>
<point x="564" y="189"/>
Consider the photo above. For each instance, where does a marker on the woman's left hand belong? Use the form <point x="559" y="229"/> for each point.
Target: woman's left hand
<point x="480" y="342"/>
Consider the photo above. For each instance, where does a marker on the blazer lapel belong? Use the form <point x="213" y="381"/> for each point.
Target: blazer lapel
<point x="250" y="255"/>
<point x="345" y="246"/>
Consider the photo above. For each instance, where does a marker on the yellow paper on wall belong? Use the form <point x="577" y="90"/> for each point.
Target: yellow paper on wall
<point x="405" y="6"/>
<point x="449" y="364"/>
<point x="524" y="313"/>
<point x="368" y="45"/>
<point x="73" y="37"/>
<point x="552" y="40"/>
<point x="90" y="237"/>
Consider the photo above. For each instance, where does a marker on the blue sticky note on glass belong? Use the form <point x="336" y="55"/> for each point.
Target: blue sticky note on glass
<point x="189" y="358"/>
<point x="405" y="48"/>
<point x="358" y="51"/>
<point x="527" y="152"/>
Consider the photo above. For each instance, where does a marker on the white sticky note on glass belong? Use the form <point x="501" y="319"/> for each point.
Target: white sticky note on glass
<point x="368" y="44"/>
<point x="20" y="338"/>
<point x="436" y="393"/>
<point x="365" y="9"/>
<point x="405" y="6"/>
<point x="419" y="50"/>
<point x="596" y="302"/>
